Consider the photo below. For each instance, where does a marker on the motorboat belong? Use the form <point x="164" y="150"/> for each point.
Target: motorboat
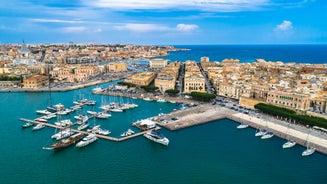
<point x="102" y="115"/>
<point x="147" y="99"/>
<point x="82" y="126"/>
<point x="62" y="134"/>
<point x="156" y="136"/>
<point x="45" y="112"/>
<point x="28" y="124"/>
<point x="87" y="140"/>
<point x="242" y="126"/>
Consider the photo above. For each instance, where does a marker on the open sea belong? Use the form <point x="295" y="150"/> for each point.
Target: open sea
<point x="216" y="152"/>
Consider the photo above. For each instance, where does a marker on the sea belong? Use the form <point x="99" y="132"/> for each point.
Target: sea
<point x="215" y="152"/>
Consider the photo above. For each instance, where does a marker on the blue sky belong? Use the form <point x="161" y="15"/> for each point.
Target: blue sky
<point x="164" y="22"/>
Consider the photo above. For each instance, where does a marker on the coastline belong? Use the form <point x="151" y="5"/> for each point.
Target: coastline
<point x="208" y="113"/>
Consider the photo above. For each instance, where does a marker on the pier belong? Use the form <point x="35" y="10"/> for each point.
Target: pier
<point x="86" y="133"/>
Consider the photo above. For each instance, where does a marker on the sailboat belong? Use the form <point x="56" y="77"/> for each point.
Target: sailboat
<point x="242" y="126"/>
<point x="308" y="151"/>
<point x="290" y="143"/>
<point x="65" y="142"/>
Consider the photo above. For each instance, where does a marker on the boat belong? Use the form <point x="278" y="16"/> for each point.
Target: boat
<point x="260" y="133"/>
<point x="62" y="134"/>
<point x="45" y="112"/>
<point x="65" y="142"/>
<point x="87" y="140"/>
<point x="38" y="126"/>
<point x="127" y="133"/>
<point x="97" y="130"/>
<point x="156" y="136"/>
<point x="242" y="126"/>
<point x="289" y="144"/>
<point x="116" y="110"/>
<point x="268" y="135"/>
<point x="49" y="116"/>
<point x="161" y="100"/>
<point x="28" y="124"/>
<point x="308" y="151"/>
<point x="82" y="126"/>
<point x="97" y="90"/>
<point x="64" y="123"/>
<point x="102" y="115"/>
<point x="147" y="99"/>
<point x="40" y="120"/>
<point x="92" y="112"/>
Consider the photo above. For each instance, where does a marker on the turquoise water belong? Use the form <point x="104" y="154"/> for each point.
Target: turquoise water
<point x="216" y="152"/>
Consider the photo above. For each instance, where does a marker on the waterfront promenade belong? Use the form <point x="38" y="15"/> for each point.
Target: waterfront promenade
<point x="208" y="113"/>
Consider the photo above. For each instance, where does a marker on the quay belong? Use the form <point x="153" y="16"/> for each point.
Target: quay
<point x="86" y="133"/>
<point x="208" y="113"/>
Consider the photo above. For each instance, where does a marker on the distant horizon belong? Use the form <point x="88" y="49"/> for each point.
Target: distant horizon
<point x="169" y="22"/>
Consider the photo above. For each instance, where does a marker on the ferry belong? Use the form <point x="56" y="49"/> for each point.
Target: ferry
<point x="157" y="137"/>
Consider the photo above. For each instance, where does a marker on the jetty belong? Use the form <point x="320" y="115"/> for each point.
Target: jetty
<point x="87" y="133"/>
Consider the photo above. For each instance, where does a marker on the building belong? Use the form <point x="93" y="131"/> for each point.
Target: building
<point x="193" y="80"/>
<point x="158" y="63"/>
<point x="116" y="67"/>
<point x="36" y="81"/>
<point x="142" y="79"/>
<point x="300" y="102"/>
<point x="165" y="82"/>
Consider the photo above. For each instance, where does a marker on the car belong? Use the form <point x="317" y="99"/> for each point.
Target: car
<point x="174" y="118"/>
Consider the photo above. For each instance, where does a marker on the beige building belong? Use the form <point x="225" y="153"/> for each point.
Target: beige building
<point x="36" y="81"/>
<point x="142" y="79"/>
<point x="193" y="80"/>
<point x="295" y="101"/>
<point x="158" y="63"/>
<point x="165" y="82"/>
<point x="116" y="67"/>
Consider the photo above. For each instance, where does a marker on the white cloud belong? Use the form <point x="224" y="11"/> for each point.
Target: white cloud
<point x="286" y="25"/>
<point x="142" y="27"/>
<point x="56" y="21"/>
<point x="210" y="5"/>
<point x="76" y="29"/>
<point x="186" y="27"/>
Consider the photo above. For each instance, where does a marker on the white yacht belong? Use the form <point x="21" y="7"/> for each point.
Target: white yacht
<point x="289" y="144"/>
<point x="92" y="112"/>
<point x="87" y="140"/>
<point x="49" y="116"/>
<point x="102" y="115"/>
<point x="308" y="151"/>
<point x="97" y="90"/>
<point x="157" y="137"/>
<point x="45" y="112"/>
<point x="267" y="135"/>
<point x="64" y="123"/>
<point x="242" y="126"/>
<point x="116" y="110"/>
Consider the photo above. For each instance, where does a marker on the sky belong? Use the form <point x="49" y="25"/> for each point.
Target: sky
<point x="164" y="22"/>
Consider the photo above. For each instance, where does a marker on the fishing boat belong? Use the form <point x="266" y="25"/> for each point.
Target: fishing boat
<point x="87" y="140"/>
<point x="156" y="136"/>
<point x="65" y="142"/>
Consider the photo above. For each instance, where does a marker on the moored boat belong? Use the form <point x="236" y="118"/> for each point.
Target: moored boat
<point x="308" y="151"/>
<point x="87" y="140"/>
<point x="260" y="133"/>
<point x="127" y="133"/>
<point x="156" y="136"/>
<point x="289" y="144"/>
<point x="242" y="126"/>
<point x="65" y="142"/>
<point x="38" y="126"/>
<point x="28" y="124"/>
<point x="268" y="135"/>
